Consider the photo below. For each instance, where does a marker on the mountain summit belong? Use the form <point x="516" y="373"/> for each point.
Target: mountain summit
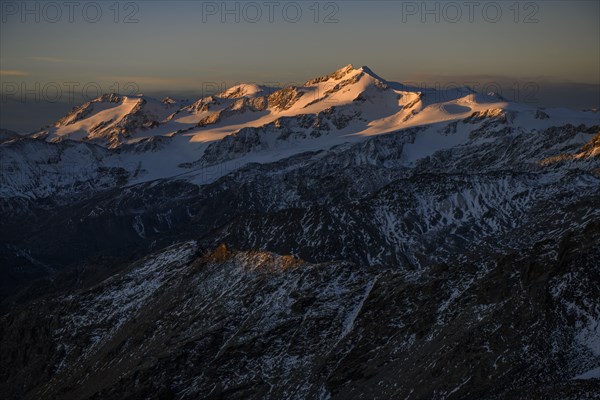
<point x="113" y="120"/>
<point x="249" y="122"/>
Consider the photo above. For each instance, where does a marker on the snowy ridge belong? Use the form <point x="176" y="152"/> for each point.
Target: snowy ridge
<point x="248" y="122"/>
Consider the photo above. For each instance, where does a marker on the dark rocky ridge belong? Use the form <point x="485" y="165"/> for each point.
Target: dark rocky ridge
<point x="236" y="325"/>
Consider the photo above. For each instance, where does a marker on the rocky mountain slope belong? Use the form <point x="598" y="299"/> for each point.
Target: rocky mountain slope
<point x="227" y="324"/>
<point x="347" y="238"/>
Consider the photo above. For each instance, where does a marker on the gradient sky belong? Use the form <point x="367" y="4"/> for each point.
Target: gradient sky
<point x="174" y="47"/>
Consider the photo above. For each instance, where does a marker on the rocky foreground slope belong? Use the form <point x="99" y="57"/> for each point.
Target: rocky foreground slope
<point x="349" y="238"/>
<point x="185" y="323"/>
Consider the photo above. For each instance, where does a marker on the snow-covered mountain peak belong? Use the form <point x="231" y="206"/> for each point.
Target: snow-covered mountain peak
<point x="242" y="90"/>
<point x="169" y="100"/>
<point x="335" y="76"/>
<point x="365" y="69"/>
<point x="249" y="122"/>
<point x="111" y="119"/>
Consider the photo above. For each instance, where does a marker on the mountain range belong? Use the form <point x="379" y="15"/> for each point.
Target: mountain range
<point x="348" y="238"/>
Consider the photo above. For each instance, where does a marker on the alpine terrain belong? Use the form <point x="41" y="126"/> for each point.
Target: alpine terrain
<point x="350" y="238"/>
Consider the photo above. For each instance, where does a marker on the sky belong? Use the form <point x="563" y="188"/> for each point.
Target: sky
<point x="53" y="54"/>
